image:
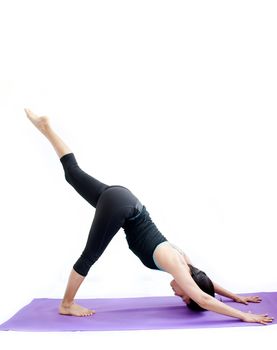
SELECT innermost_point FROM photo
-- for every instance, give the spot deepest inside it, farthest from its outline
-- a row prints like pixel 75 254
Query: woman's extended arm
pixel 224 292
pixel 239 299
pixel 186 282
pixel 182 276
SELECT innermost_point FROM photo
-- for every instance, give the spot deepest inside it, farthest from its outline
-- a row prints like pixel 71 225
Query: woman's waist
pixel 142 235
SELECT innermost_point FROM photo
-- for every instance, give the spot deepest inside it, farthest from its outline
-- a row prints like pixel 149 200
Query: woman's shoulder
pixel 188 261
pixel 177 248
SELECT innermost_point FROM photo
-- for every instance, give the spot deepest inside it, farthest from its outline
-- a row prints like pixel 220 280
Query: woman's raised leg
pixel 86 185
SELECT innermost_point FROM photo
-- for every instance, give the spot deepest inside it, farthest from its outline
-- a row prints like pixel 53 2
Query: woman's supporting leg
pixel 113 208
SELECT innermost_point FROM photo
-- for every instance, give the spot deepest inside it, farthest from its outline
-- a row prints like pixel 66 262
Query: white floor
pixel 216 338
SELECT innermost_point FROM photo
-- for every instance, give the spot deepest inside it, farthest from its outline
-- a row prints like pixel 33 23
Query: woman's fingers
pixel 265 319
pixel 253 299
pixel 246 299
pixel 258 318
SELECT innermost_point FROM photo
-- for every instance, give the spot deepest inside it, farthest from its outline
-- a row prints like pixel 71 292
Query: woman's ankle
pixel 67 303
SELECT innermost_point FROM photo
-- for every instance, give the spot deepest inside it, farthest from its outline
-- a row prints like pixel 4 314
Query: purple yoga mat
pixel 164 312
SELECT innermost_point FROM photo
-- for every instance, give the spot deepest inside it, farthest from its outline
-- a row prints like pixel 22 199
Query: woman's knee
pixel 84 263
pixel 68 173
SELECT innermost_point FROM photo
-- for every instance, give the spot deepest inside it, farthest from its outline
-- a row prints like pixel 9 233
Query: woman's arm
pixel 224 292
pixel 182 276
pixel 237 298
pixel 186 282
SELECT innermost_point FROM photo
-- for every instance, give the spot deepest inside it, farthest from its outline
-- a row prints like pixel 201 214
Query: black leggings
pixel 114 204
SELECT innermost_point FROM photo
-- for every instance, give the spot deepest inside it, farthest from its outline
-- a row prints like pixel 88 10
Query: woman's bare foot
pixel 42 123
pixel 75 310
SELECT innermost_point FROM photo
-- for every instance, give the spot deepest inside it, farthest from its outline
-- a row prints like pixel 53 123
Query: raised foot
pixel 75 310
pixel 42 123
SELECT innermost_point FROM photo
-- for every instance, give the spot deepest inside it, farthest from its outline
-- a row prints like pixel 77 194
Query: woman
pixel 117 207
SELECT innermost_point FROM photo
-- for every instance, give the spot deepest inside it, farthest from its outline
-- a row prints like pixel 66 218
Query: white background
pixel 175 100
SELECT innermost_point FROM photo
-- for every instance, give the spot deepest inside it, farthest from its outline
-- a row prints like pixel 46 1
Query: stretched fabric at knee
pixel 68 161
pixel 83 265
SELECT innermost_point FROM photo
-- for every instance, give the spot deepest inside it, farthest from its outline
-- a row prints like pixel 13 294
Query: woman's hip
pixel 119 199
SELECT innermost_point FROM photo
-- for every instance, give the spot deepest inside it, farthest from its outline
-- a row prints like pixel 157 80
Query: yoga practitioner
pixel 116 207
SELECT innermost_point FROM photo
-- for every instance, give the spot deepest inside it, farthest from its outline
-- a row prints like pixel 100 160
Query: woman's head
pixel 203 282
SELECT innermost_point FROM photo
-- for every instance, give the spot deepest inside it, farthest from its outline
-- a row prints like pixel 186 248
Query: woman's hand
pixel 263 319
pixel 246 299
